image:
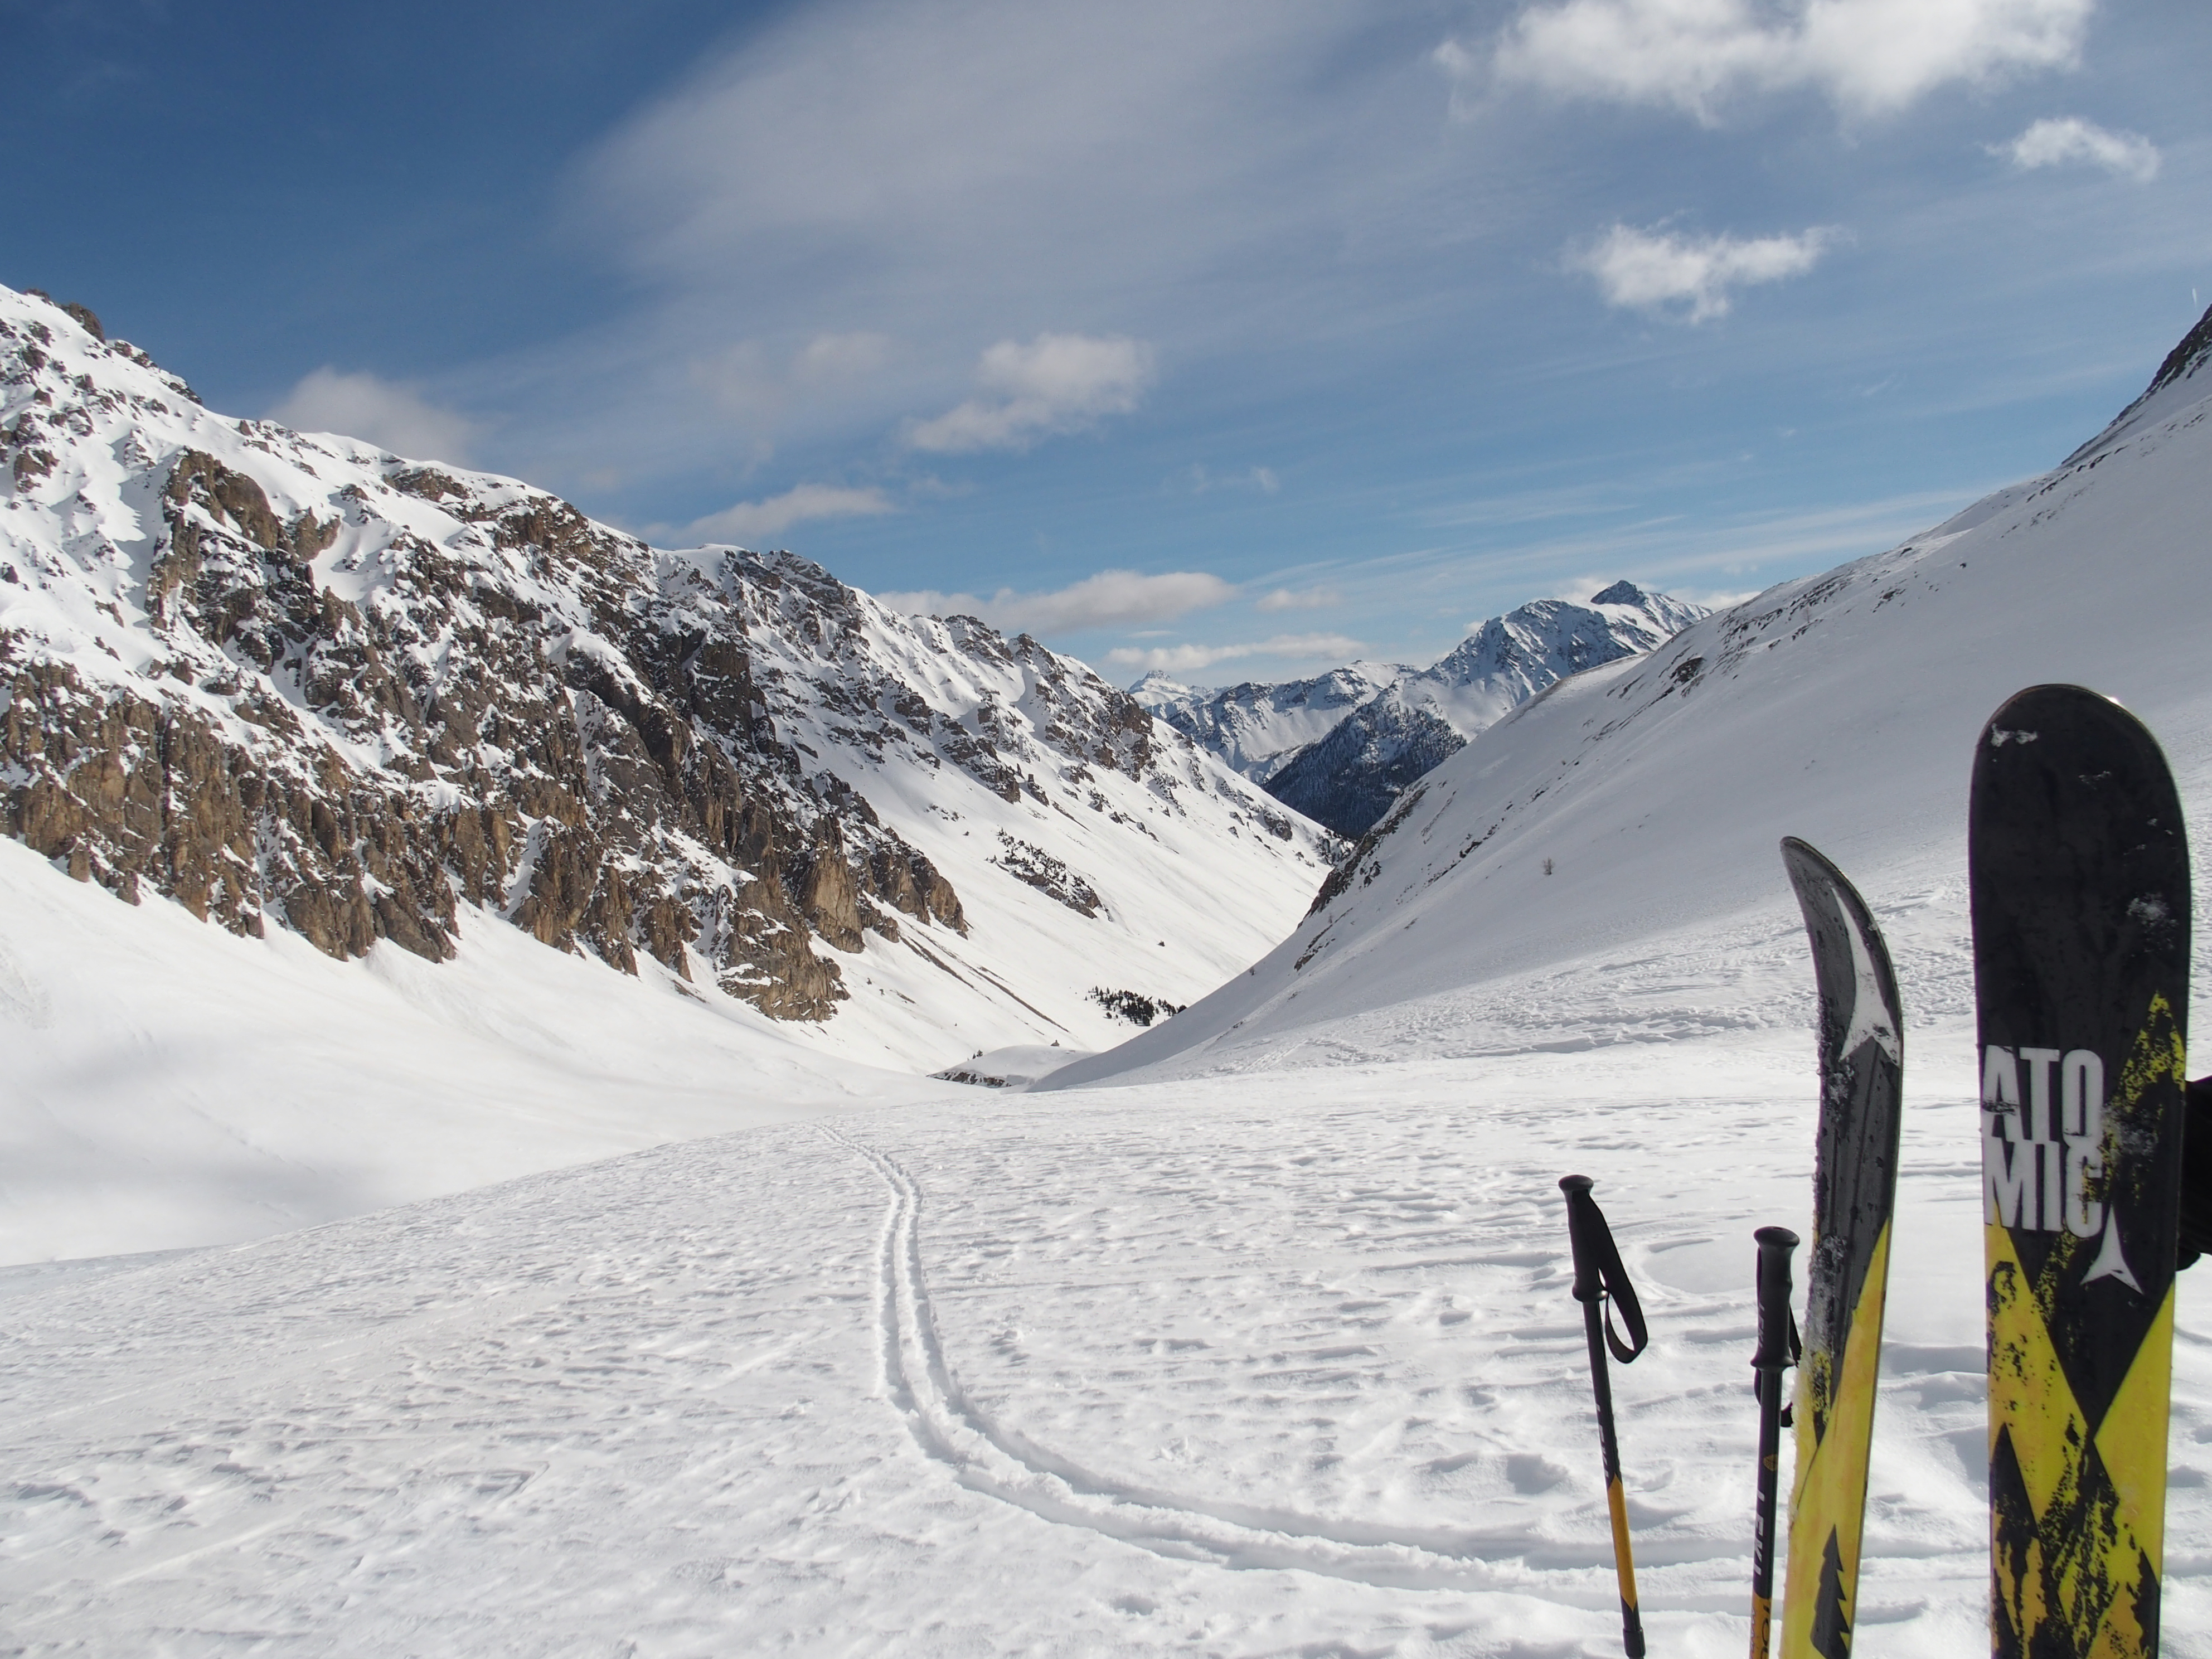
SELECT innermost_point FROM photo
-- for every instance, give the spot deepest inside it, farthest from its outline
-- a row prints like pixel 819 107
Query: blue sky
pixel 1237 339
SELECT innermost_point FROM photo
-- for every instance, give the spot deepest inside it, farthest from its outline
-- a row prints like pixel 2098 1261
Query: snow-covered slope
pixel 1257 729
pixel 293 681
pixel 168 1084
pixel 1582 842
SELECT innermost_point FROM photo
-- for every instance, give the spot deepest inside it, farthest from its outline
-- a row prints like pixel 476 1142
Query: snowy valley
pixel 1250 1335
pixel 337 702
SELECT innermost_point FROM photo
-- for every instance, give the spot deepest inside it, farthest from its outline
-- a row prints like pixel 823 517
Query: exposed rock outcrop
pixel 298 680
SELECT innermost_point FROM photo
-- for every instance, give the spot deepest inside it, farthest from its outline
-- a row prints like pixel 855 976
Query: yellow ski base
pixel 2077 1545
pixel 1827 1503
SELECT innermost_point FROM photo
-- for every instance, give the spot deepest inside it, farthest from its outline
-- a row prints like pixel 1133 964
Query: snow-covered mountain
pixel 1579 841
pixel 1258 728
pixel 1341 747
pixel 1509 659
pixel 1261 1343
pixel 292 680
pixel 1349 778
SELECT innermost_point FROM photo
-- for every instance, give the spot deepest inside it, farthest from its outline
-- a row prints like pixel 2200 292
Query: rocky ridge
pixel 1259 728
pixel 295 680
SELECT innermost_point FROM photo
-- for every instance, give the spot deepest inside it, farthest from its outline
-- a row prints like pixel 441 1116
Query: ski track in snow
pixel 989 1458
pixel 1281 1363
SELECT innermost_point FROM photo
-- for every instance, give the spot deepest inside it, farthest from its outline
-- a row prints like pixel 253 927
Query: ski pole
pixel 1600 1278
pixel 1777 1352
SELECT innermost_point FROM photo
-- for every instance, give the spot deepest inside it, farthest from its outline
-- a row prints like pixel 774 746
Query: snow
pixel 1842 708
pixel 169 1084
pixel 1229 1369
pixel 1252 1336
pixel 1507 659
pixel 1013 1067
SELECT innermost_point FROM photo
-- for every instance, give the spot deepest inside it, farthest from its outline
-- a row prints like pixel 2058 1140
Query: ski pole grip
pixel 1598 1275
pixel 1589 1279
pixel 1775 1245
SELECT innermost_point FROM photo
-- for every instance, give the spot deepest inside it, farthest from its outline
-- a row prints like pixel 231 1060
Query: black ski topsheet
pixel 2080 884
pixel 1861 1053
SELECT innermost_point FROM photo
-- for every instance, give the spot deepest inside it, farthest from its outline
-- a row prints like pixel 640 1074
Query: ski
pixel 1861 1053
pixel 2079 878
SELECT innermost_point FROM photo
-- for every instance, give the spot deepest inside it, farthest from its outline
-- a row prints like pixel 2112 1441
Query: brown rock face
pixel 296 680
pixel 122 790
pixel 353 768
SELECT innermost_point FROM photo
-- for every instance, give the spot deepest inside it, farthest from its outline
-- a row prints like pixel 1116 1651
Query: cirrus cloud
pixel 391 414
pixel 1656 270
pixel 745 522
pixel 1868 57
pixel 1056 383
pixel 2056 141
pixel 1111 599
pixel 1307 598
pixel 757 389
pixel 1185 659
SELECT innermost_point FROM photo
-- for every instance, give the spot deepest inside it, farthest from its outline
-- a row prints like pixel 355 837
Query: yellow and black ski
pixel 1862 1048
pixel 2079 873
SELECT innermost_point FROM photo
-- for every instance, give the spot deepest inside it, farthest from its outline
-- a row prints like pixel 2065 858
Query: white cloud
pixel 1868 57
pixel 1187 658
pixel 1056 383
pixel 387 413
pixel 1176 172
pixel 1656 269
pixel 1110 598
pixel 756 389
pixel 1308 598
pixel 1717 598
pixel 749 522
pixel 829 359
pixel 2053 143
pixel 1201 480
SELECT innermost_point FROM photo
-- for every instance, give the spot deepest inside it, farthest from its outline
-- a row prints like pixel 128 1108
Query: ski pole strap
pixel 1599 1276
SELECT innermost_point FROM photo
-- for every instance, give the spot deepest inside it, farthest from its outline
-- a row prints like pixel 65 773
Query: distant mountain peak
pixel 1341 746
pixel 2186 358
pixel 1159 683
pixel 2175 387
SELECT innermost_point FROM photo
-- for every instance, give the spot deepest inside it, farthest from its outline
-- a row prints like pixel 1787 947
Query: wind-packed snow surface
pixel 1278 1364
pixel 1250 1337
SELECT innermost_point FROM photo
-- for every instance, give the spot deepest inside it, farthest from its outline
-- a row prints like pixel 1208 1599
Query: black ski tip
pixel 1820 886
pixel 2064 767
pixel 1813 870
pixel 2025 715
pixel 2057 696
